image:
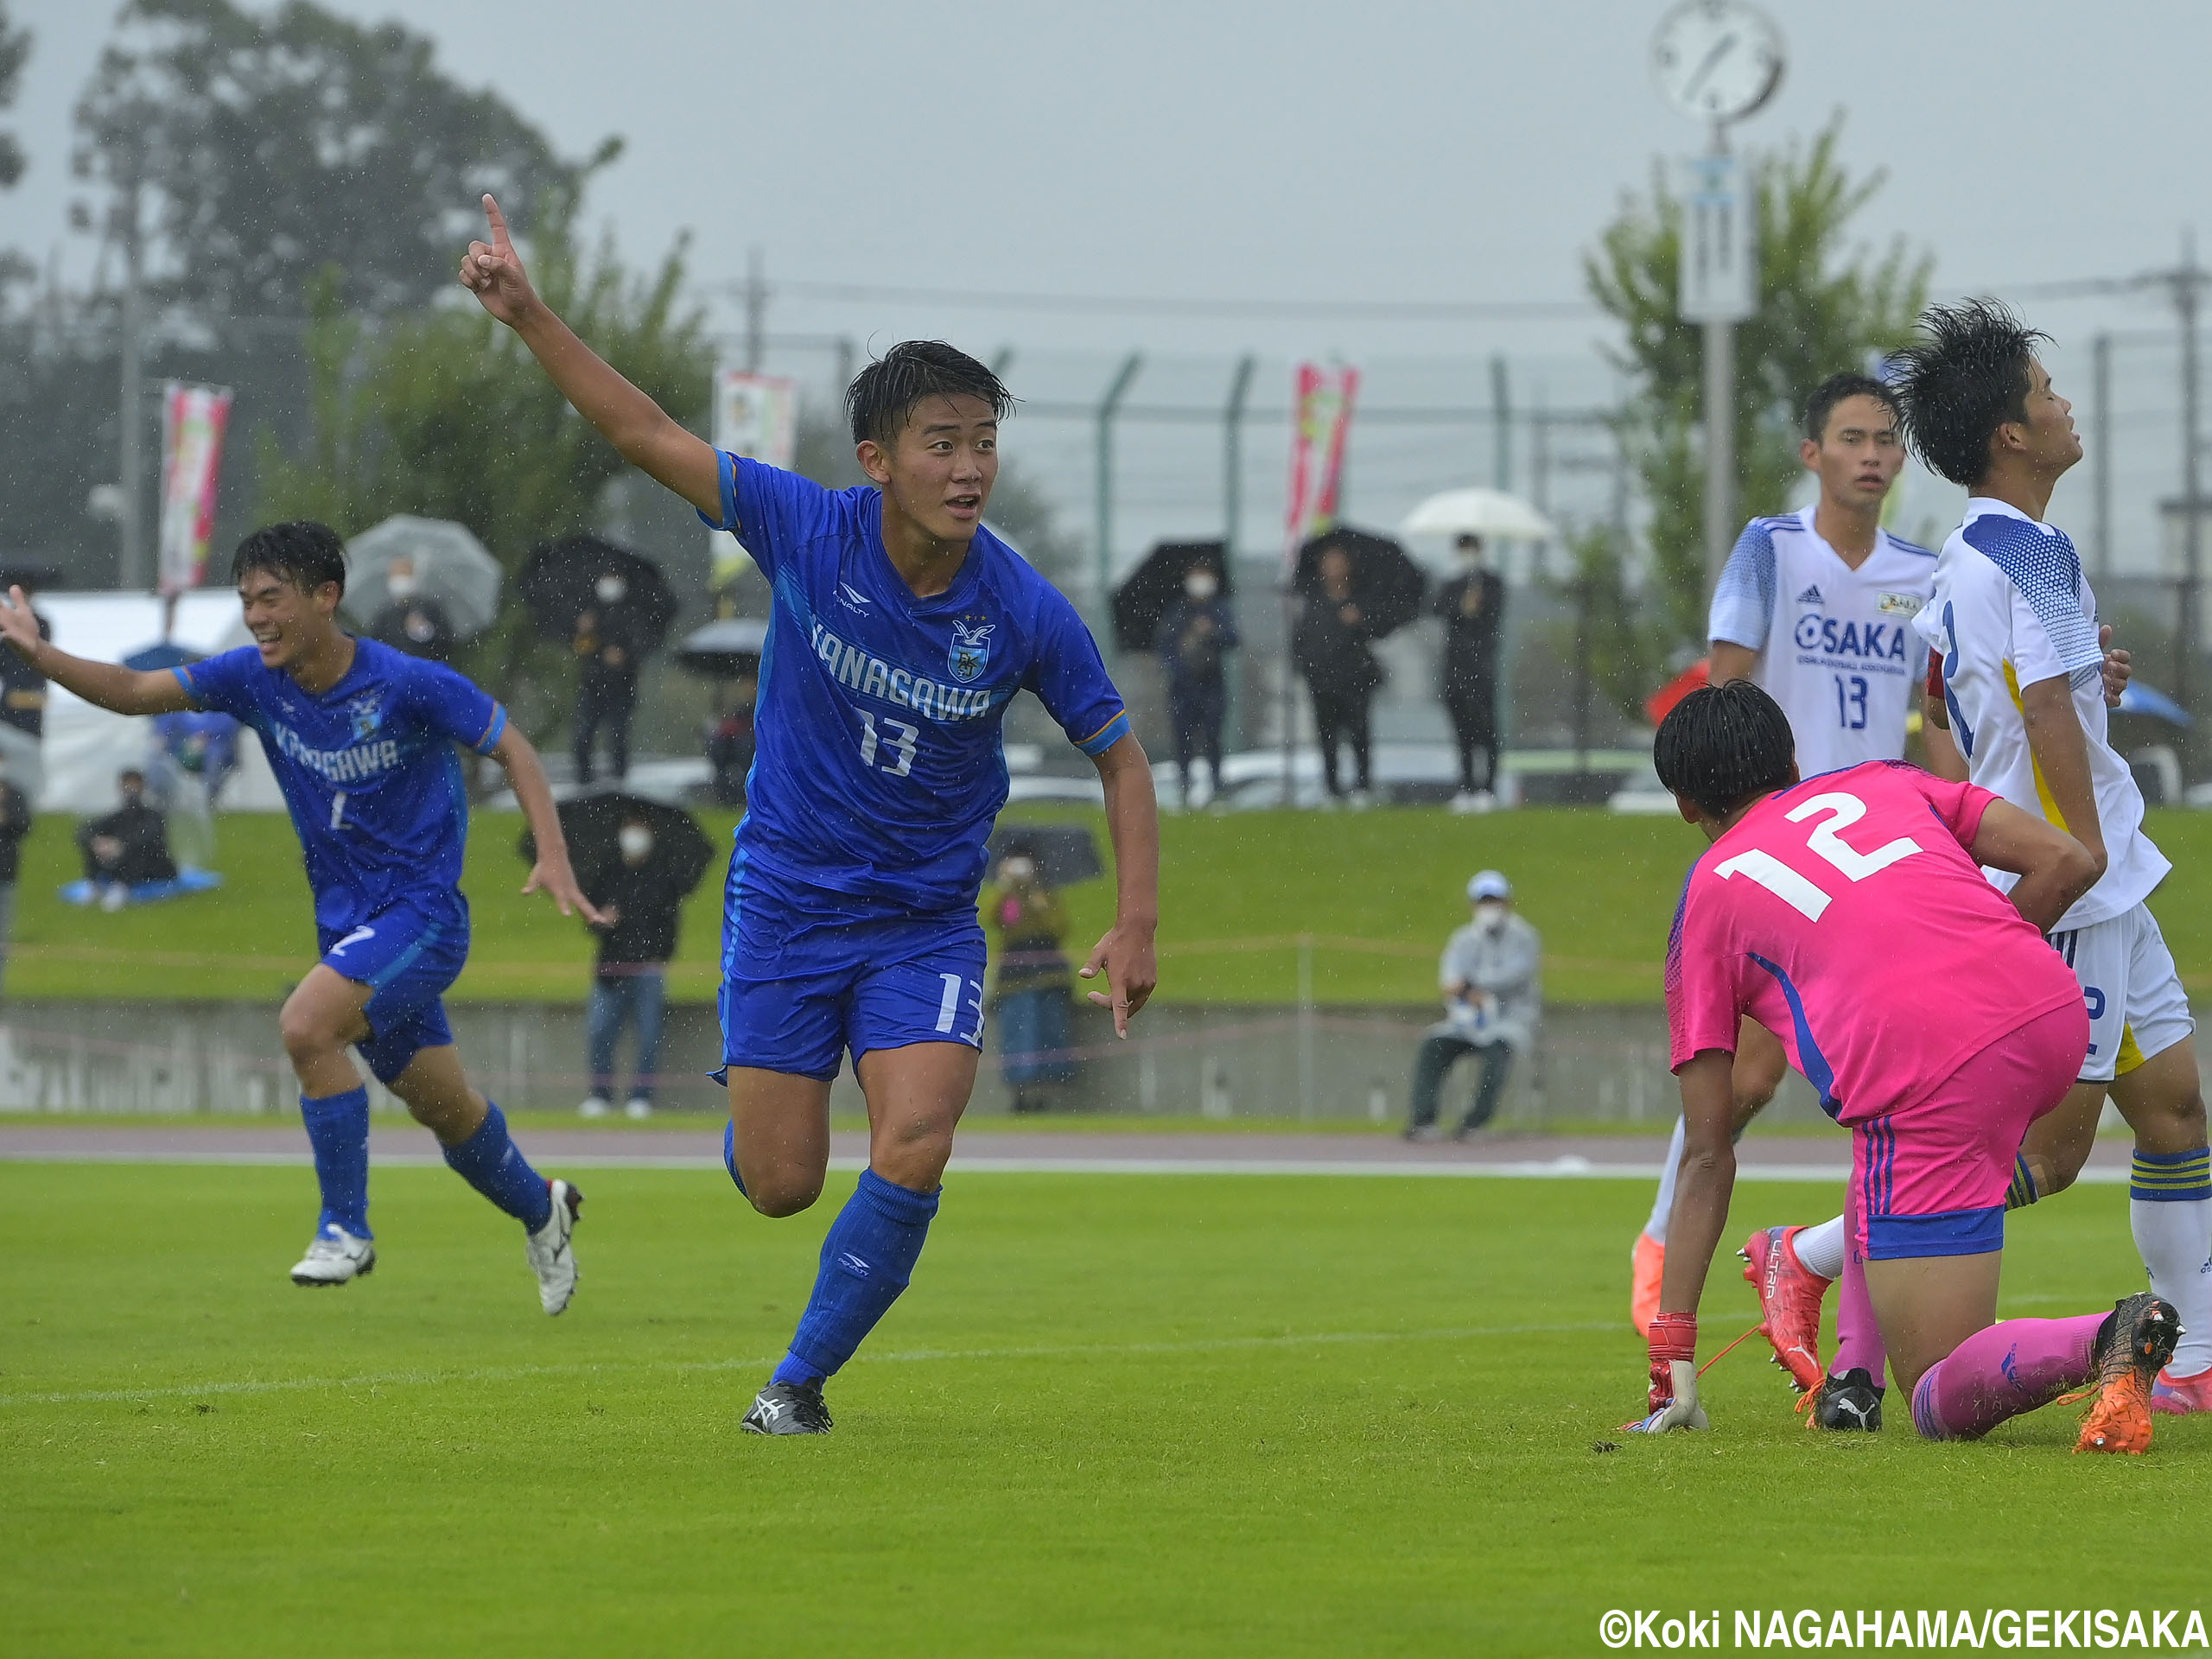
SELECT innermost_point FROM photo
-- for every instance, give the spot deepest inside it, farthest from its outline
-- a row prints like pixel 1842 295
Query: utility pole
pixel 1232 507
pixel 130 475
pixel 1501 425
pixel 2101 398
pixel 756 312
pixel 2185 282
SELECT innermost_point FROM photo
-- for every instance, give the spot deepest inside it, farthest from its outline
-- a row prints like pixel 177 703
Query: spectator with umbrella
pixel 1356 588
pixel 423 586
pixel 728 651
pixel 1472 605
pixel 636 861
pixel 1192 639
pixel 613 607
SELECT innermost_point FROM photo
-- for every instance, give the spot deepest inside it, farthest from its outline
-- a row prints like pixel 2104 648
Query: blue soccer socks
pixel 866 1261
pixel 490 1162
pixel 338 1129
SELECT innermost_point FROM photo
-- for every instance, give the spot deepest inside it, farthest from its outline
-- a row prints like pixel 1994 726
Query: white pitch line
pixel 1569 1167
pixel 917 1355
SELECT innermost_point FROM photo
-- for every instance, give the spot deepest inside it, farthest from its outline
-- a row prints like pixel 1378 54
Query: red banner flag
pixel 194 419
pixel 1321 419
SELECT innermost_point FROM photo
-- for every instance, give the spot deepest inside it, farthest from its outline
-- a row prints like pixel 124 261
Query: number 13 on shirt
pixel 1826 841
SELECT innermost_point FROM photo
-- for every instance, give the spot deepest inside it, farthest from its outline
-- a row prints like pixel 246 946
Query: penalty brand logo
pixel 853 1264
pixel 971 650
pixel 853 599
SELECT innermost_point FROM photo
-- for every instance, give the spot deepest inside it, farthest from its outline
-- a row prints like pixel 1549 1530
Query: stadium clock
pixel 1717 59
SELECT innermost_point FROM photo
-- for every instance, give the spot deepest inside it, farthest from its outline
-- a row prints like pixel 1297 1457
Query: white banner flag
pixel 756 416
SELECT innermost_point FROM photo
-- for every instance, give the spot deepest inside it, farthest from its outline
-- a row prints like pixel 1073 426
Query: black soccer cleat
pixel 1852 1401
pixel 787 1408
pixel 2135 1343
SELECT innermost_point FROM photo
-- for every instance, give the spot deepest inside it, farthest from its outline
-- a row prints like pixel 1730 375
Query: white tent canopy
pixel 85 746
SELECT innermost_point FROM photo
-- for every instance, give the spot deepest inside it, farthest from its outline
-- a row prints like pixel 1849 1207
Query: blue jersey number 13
pixel 898 733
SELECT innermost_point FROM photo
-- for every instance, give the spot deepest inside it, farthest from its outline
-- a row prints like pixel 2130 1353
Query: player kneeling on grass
pixel 361 739
pixel 901 628
pixel 1849 916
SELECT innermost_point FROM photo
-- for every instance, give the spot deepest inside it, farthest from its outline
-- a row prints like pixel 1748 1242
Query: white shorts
pixel 2137 1007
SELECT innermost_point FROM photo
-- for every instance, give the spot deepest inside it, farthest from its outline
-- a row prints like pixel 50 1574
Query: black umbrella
pixel 1065 853
pixel 561 579
pixel 724 650
pixel 592 825
pixel 1386 584
pixel 1156 584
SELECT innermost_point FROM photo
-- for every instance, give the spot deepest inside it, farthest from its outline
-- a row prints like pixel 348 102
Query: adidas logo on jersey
pixel 1811 596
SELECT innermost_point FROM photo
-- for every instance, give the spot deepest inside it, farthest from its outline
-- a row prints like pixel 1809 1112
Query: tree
pixel 275 147
pixel 1824 306
pixel 15 48
pixel 444 412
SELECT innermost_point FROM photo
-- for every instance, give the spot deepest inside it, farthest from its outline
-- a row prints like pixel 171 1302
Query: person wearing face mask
pixel 606 677
pixel 1329 645
pixel 1193 635
pixel 413 621
pixel 1492 994
pixel 128 847
pixel 1472 605
pixel 641 908
pixel 1035 981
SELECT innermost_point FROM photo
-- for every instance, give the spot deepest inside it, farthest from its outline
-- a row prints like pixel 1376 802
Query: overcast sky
pixel 1223 151
pixel 1237 151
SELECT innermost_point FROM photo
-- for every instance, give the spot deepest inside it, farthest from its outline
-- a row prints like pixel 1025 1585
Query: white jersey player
pixel 1817 607
pixel 2024 684
pixel 1833 634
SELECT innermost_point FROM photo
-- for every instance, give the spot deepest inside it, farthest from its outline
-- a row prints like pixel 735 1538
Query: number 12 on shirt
pixel 1807 898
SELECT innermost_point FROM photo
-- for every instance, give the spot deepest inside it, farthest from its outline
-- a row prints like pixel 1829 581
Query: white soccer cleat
pixel 335 1257
pixel 639 1109
pixel 595 1106
pixel 550 1252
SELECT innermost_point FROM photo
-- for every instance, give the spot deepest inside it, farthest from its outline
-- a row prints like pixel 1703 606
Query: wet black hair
pixel 304 553
pixel 1965 376
pixel 1723 745
pixel 1833 390
pixel 884 393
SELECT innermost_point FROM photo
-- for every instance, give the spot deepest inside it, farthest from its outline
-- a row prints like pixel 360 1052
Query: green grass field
pixel 1376 892
pixel 1114 1415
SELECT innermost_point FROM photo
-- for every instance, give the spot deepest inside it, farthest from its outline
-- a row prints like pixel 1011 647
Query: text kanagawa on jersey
pixel 871 676
pixel 339 766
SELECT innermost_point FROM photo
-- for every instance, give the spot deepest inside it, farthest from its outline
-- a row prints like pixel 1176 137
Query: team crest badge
pixel 368 715
pixel 971 650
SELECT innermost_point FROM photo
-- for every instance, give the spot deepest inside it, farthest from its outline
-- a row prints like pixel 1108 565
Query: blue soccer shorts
pixel 808 974
pixel 407 954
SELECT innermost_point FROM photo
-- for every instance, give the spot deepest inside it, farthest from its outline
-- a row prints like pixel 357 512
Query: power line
pixel 1159 305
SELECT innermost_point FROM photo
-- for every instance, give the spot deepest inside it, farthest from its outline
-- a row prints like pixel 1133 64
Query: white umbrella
pixel 450 566
pixel 1492 514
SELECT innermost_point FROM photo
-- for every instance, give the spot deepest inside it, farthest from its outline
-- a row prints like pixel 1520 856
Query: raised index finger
pixel 498 223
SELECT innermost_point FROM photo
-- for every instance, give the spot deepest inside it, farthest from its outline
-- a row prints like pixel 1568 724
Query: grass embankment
pixel 1114 1415
pixel 1376 891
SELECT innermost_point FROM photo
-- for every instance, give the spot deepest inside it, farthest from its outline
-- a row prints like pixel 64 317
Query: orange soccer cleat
pixel 2144 1330
pixel 1650 1259
pixel 1789 1302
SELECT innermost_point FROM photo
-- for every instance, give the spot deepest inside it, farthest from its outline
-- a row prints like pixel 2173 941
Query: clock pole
pixel 1719 428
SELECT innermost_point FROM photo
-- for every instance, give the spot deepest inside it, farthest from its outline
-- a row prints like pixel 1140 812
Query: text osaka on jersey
pixel 339 766
pixel 871 676
pixel 1827 635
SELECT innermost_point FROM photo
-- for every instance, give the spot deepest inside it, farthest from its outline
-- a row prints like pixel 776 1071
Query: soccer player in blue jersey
pixel 900 630
pixel 361 739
